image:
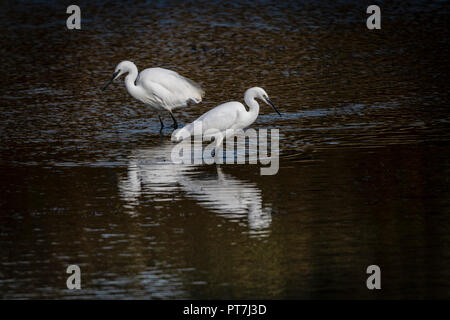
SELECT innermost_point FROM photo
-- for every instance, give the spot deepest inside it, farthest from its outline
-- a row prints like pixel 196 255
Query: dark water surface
pixel 364 165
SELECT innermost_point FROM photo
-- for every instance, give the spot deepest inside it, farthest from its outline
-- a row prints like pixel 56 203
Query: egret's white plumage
pixel 230 115
pixel 158 88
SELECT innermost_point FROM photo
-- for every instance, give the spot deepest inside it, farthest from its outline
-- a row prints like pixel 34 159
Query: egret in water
pixel 159 88
pixel 229 115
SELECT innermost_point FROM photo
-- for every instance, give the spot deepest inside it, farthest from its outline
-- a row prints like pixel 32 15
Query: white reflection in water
pixel 151 173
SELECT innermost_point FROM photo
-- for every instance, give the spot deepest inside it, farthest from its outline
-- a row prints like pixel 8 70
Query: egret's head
pixel 121 68
pixel 260 93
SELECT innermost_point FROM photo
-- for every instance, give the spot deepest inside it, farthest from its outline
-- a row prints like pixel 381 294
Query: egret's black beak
pixel 112 79
pixel 273 106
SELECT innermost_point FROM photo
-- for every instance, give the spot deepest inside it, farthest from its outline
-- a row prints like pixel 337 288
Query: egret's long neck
pixel 130 81
pixel 253 106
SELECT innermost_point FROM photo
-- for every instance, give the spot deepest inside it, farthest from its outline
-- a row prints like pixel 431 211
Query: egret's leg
pixel 162 124
pixel 216 149
pixel 175 123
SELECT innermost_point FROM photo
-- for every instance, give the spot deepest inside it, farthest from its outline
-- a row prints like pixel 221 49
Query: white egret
pixel 229 115
pixel 159 88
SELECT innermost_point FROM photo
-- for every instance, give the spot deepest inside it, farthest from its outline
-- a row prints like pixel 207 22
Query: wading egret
pixel 159 88
pixel 229 115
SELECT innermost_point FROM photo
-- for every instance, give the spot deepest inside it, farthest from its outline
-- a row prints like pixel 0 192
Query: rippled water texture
pixel 86 178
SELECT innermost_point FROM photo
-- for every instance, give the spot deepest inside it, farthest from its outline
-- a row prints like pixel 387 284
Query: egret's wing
pixel 157 95
pixel 172 89
pixel 221 118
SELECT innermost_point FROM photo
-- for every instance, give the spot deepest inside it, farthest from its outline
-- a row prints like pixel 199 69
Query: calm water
pixel 364 165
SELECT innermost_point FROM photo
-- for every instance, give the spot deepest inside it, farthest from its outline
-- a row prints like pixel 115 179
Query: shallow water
pixel 364 169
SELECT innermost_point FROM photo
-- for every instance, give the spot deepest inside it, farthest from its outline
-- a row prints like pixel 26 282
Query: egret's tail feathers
pixel 194 100
pixel 197 93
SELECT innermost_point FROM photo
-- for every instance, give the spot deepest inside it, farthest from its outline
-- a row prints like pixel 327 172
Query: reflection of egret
pixel 151 173
pixel 159 88
pixel 230 115
pixel 231 198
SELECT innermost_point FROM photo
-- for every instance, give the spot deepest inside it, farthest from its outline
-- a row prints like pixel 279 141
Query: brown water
pixel 364 170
